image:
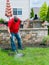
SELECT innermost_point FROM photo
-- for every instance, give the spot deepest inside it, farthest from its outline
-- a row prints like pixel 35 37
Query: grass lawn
pixel 33 56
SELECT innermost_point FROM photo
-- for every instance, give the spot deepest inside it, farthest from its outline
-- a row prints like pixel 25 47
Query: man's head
pixel 15 19
pixel 35 15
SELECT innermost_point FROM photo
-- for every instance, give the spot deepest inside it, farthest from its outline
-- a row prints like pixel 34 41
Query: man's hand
pixel 10 35
pixel 9 32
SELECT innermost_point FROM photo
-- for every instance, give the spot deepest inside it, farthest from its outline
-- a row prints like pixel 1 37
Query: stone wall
pixel 29 35
pixel 32 23
pixel 32 35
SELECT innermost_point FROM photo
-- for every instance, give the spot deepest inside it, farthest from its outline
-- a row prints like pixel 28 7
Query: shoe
pixel 11 53
pixel 20 48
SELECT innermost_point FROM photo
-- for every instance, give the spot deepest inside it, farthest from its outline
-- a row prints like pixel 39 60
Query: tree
pixel 47 17
pixel 43 11
pixel 31 13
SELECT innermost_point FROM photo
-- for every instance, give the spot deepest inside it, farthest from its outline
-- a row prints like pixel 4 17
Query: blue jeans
pixel 18 37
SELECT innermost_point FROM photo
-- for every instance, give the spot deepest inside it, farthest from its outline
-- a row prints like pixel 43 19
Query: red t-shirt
pixel 14 26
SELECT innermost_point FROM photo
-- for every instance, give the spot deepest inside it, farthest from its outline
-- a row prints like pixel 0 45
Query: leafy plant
pixel 1 20
pixel 45 39
pixel 47 17
pixel 43 11
pixel 31 13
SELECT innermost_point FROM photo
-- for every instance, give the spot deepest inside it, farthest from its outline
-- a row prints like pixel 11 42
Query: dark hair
pixel 15 19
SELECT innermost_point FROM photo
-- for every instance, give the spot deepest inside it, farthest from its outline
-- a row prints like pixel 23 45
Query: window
pixel 14 11
pixel 17 11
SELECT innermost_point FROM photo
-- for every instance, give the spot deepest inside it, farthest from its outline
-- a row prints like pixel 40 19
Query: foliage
pixel 1 20
pixel 43 11
pixel 45 39
pixel 31 13
pixel 48 30
pixel 47 17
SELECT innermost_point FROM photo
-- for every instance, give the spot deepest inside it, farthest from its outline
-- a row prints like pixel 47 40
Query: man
pixel 35 17
pixel 13 29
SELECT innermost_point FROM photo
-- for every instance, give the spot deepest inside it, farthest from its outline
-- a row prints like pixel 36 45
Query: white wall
pixel 24 4
pixel 2 8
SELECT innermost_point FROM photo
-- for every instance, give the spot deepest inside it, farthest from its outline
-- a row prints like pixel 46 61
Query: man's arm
pixel 20 21
pixel 9 26
pixel 9 32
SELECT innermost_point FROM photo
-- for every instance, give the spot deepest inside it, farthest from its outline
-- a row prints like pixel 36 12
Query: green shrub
pixel 47 17
pixel 31 13
pixel 1 20
pixel 45 39
pixel 43 11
